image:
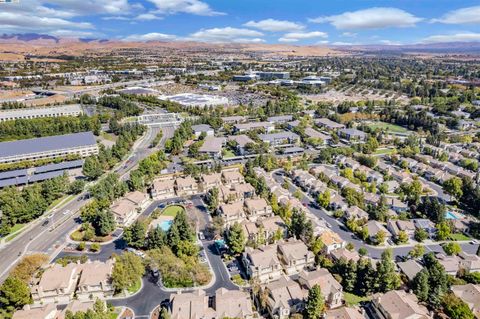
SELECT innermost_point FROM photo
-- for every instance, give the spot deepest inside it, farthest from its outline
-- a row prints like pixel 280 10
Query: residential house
pixel 141 200
pixel 470 294
pixel 56 285
pixel 332 241
pixel 280 119
pixel 450 263
pixel 242 140
pixel 396 226
pixel 392 186
pixel 250 230
pixel 469 262
pixel 233 119
pixel 410 268
pixel 396 205
pixel 232 213
pixel 124 212
pixel 345 254
pixel 374 227
pixel 232 304
pixel 186 186
pixel 96 280
pixel 352 134
pixel 337 202
pixel 163 189
pixel 262 263
pixel 265 126
pixel 244 190
pixel 312 133
pixel 48 311
pixel 331 289
pixel 202 129
pixel 212 146
pixel 258 208
pixel 398 304
pixel 190 305
pixel 343 313
pixel 295 256
pixel 210 181
pixel 232 177
pixel 355 212
pixel 281 138
pixel 285 297
pixel 426 225
pixel 271 226
pixel 328 124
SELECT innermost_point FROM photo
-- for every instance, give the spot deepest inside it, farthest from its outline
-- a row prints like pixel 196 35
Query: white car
pixel 66 212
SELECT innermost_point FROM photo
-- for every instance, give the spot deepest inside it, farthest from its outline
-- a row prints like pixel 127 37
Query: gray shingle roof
pixel 45 144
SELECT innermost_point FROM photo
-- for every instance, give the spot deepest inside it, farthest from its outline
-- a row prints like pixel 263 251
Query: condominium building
pixel 82 144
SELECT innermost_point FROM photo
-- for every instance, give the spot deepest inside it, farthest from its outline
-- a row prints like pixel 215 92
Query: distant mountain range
pixel 44 40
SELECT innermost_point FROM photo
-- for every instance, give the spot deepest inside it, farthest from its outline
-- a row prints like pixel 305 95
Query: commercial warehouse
pixel 64 110
pixel 82 144
pixel 196 100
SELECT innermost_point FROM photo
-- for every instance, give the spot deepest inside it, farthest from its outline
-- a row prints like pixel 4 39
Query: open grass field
pixel 172 210
pixel 391 128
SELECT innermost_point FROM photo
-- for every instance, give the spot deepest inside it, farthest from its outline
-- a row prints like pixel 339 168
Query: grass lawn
pixel 352 300
pixel 136 287
pixel 459 236
pixel 384 151
pixel 392 128
pixel 228 153
pixel 172 210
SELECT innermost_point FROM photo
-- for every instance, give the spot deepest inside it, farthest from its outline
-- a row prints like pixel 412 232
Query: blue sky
pixel 250 21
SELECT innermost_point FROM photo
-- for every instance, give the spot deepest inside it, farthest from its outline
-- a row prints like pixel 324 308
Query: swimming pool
pixel 450 215
pixel 165 225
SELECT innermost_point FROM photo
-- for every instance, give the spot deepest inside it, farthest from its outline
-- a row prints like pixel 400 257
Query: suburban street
pixel 345 234
pixel 47 234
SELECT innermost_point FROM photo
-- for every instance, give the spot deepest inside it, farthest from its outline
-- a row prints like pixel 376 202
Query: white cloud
pixel 75 34
pixel 226 35
pixel 196 7
pixel 275 25
pixel 349 34
pixel 28 22
pixel 390 42
pixel 470 15
pixel 148 17
pixel 154 36
pixel 296 36
pixel 458 37
pixel 87 7
pixel 372 18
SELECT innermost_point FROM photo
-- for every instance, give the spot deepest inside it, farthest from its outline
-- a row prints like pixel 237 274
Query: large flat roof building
pixel 82 144
pixel 57 111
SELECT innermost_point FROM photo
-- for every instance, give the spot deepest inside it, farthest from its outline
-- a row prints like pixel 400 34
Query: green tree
pixel 380 237
pixel 452 248
pixel 212 199
pixel 453 186
pixel 315 304
pixel 301 227
pixel 127 271
pixel 164 314
pixel 420 234
pixel 402 237
pixel 236 239
pixel 104 223
pixel 388 278
pixel 421 285
pixel 324 199
pixel 134 235
pixel 14 294
pixel 456 308
pixel 157 238
pixel 417 251
pixel 443 230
